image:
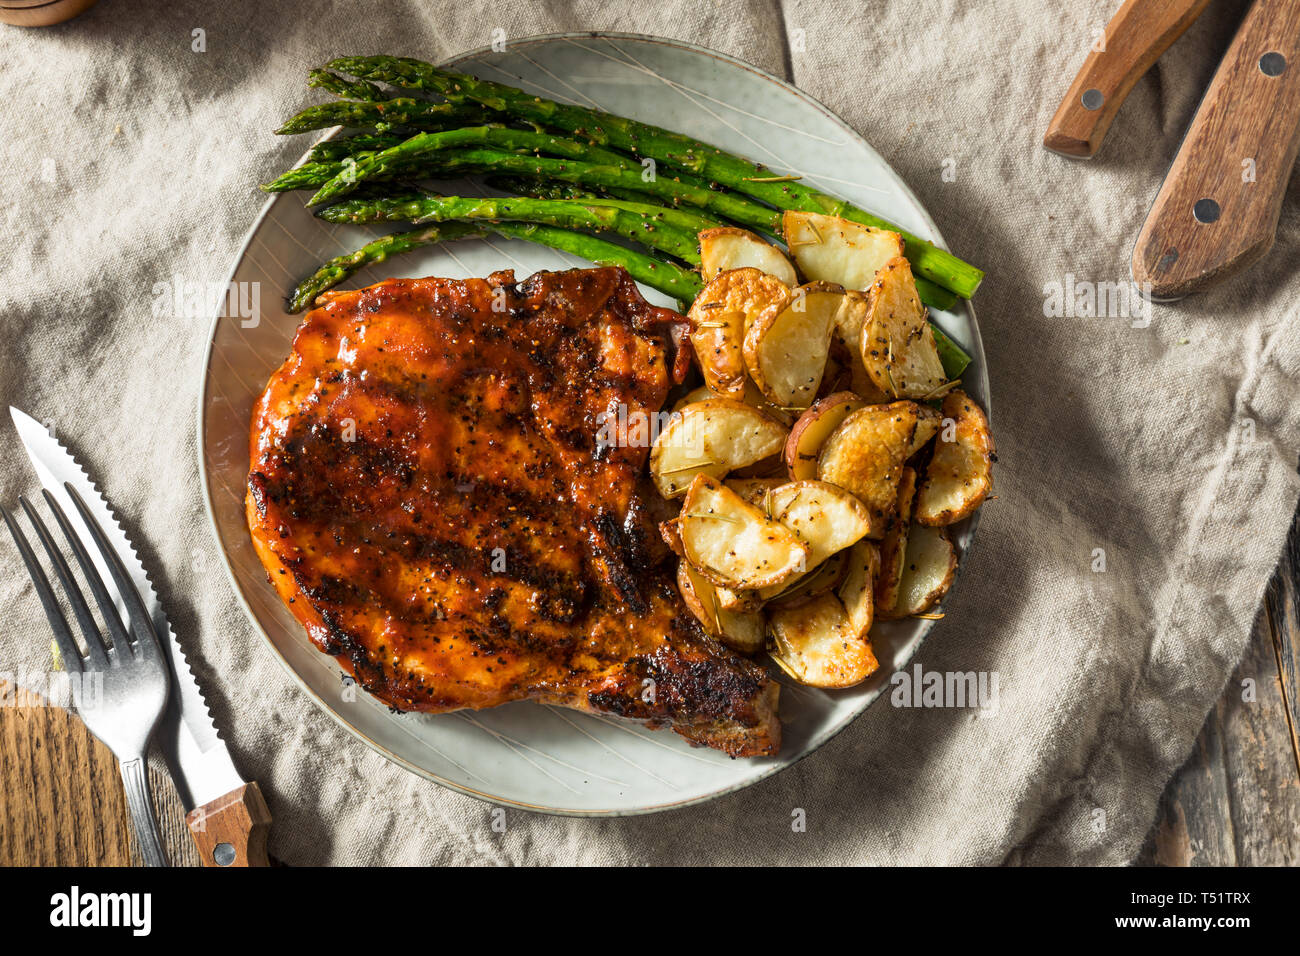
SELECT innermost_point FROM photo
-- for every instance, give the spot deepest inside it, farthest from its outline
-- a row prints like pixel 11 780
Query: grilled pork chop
pixel 430 494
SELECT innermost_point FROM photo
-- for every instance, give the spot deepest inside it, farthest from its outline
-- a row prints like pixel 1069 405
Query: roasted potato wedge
pixel 837 250
pixel 811 430
pixel 730 248
pixel 787 345
pixel 738 601
pixel 700 394
pixel 850 320
pixel 928 570
pixel 751 396
pixel 671 532
pixel 960 474
pixel 865 455
pixel 754 490
pixel 928 421
pixel 803 588
pixel 711 437
pixel 742 631
pixel 727 599
pixel 815 644
pixel 893 548
pixel 721 313
pixel 856 590
pixel 897 342
pixel 827 517
pixel 718 341
pixel 733 543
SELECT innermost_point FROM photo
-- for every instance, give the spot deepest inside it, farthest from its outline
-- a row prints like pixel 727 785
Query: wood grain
pixel 238 823
pixel 1238 153
pixel 1237 799
pixel 1139 32
pixel 61 799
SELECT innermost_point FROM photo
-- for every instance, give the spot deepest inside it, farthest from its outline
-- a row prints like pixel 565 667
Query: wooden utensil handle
pixel 232 830
pixel 1217 211
pixel 1134 39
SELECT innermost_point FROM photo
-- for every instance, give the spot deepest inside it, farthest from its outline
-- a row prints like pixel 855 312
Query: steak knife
pixel 227 816
pixel 1218 209
pixel 1133 40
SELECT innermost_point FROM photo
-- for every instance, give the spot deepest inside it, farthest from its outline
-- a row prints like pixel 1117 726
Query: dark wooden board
pixel 1237 799
pixel 61 798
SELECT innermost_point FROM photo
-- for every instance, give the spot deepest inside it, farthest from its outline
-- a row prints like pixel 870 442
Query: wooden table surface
pixel 1235 801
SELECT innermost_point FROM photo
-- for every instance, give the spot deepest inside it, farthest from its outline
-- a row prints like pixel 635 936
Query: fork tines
pixel 99 654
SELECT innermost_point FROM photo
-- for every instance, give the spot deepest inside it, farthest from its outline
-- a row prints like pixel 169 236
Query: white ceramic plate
pixel 526 754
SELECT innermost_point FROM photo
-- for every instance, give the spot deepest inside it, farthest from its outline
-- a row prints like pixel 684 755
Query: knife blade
pixel 199 761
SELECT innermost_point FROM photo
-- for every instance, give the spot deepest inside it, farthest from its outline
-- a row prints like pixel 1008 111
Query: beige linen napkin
pixel 1163 449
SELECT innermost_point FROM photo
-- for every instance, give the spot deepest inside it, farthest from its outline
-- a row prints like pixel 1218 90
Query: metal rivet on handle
pixel 1092 99
pixel 224 854
pixel 1206 210
pixel 1272 63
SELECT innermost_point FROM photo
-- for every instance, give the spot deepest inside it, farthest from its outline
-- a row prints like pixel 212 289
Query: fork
pixel 134 675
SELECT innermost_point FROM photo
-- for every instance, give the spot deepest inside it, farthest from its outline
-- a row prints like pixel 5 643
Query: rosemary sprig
pixel 699 514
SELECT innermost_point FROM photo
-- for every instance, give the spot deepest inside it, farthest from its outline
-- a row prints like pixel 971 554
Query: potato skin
pixel 960 474
pixel 812 428
pixel 728 247
pixel 865 455
pixel 719 317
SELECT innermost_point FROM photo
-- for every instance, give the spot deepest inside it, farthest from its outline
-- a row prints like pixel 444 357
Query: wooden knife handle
pixel 1134 39
pixel 232 830
pixel 1217 211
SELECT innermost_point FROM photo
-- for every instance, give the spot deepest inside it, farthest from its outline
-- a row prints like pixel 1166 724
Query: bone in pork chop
pixel 429 495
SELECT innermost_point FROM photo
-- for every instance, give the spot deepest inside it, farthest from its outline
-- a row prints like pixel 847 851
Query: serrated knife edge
pixel 198 757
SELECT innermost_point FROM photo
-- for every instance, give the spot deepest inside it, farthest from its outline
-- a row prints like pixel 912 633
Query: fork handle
pixel 232 830
pixel 135 779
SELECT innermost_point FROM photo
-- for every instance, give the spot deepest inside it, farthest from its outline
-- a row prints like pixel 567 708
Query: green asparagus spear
pixel 419 114
pixel 669 279
pixel 589 175
pixel 334 150
pixel 932 294
pixel 935 295
pixel 348 89
pixel 432 143
pixel 340 267
pixel 320 172
pixel 306 176
pixel 662 145
pixel 312 175
pixel 541 188
pixel 951 355
pixel 643 224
